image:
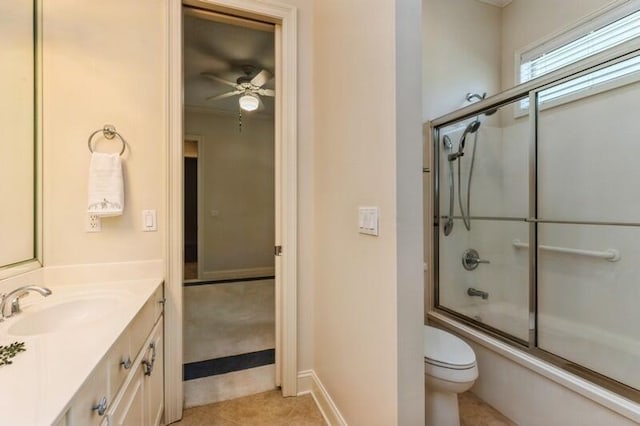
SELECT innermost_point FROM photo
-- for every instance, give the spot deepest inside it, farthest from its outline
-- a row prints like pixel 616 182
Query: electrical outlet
pixel 93 223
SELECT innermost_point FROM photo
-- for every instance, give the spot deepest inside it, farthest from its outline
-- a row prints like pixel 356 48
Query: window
pixel 609 29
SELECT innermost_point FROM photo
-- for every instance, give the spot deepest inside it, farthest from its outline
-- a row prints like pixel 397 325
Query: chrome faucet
pixel 478 293
pixel 13 299
pixel 471 259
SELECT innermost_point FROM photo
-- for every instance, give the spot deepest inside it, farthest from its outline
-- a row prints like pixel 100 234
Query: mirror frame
pixel 36 262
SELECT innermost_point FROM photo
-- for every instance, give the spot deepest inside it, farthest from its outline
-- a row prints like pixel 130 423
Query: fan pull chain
pixel 240 121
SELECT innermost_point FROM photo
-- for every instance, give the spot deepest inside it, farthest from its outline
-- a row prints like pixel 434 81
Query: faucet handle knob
pixel 15 303
pixel 471 259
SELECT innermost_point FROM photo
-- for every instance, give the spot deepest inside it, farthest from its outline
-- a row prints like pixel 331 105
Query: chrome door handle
pixel 147 365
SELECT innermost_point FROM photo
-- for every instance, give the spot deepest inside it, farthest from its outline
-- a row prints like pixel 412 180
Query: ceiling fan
pixel 248 86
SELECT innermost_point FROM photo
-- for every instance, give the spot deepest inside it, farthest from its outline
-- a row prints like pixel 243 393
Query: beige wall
pixel 409 223
pixel 358 288
pixel 108 64
pixel 461 53
pixel 238 185
pixel 103 63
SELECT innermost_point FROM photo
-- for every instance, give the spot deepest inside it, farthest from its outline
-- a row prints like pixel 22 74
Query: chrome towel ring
pixel 109 132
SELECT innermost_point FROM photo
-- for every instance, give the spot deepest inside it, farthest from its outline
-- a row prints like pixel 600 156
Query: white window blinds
pixel 612 28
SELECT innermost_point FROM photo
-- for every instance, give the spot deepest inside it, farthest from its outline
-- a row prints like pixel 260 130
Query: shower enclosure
pixel 536 215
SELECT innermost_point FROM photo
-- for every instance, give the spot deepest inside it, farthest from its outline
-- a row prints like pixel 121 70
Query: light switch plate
pixel 149 221
pixel 368 220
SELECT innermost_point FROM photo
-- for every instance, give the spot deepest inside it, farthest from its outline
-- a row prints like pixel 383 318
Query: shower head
pixel 446 141
pixel 471 128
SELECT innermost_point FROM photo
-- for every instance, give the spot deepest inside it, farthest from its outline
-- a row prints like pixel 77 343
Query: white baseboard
pixel 308 382
pixel 228 274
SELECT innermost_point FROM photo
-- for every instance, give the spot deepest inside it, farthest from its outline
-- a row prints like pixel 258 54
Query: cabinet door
pixel 130 409
pixel 91 400
pixel 154 381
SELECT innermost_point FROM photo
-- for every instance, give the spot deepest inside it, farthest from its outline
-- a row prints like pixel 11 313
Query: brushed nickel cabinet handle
pixel 101 406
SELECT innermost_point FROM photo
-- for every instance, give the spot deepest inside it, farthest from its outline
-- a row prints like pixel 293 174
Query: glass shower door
pixel 483 203
pixel 588 231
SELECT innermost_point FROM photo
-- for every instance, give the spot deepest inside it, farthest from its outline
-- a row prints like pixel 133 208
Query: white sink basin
pixel 64 314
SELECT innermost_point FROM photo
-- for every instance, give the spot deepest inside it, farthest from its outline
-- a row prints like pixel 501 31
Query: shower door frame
pixel 530 90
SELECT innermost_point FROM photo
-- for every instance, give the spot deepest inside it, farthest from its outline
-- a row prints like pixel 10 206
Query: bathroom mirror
pixel 17 134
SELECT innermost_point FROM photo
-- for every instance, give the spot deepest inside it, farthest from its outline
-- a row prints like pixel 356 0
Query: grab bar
pixel 612 255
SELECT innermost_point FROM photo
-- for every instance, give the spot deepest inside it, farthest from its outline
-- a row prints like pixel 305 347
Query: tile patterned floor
pixel 475 412
pixel 271 409
pixel 263 409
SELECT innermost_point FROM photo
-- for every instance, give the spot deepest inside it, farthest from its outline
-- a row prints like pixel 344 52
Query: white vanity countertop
pixel 40 383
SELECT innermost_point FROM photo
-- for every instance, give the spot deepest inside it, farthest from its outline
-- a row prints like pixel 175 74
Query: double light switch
pixel 368 220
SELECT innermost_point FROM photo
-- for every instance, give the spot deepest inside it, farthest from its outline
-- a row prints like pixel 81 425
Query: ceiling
pixel 223 49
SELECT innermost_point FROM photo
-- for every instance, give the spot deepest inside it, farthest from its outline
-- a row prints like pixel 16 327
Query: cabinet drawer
pixel 119 362
pixel 141 400
pixel 145 319
pixel 92 392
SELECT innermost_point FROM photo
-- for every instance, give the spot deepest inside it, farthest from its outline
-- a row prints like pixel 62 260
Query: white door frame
pixel 285 18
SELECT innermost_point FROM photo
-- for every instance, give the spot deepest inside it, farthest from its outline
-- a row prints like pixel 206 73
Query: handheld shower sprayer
pixel 471 129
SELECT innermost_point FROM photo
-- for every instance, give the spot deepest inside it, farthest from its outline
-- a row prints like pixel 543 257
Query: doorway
pixel 284 17
pixel 192 198
pixel 229 207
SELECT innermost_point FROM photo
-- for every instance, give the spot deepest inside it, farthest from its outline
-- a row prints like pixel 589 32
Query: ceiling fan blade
pixel 266 92
pixel 261 78
pixel 224 95
pixel 218 79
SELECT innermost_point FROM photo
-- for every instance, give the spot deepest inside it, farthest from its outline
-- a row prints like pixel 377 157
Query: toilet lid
pixel 446 350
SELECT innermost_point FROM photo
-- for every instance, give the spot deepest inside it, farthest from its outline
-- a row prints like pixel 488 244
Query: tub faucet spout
pixel 477 293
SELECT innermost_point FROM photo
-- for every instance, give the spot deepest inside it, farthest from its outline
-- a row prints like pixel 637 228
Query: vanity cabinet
pixel 126 388
pixel 141 401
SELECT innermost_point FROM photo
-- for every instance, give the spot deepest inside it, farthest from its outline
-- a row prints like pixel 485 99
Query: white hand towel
pixel 106 186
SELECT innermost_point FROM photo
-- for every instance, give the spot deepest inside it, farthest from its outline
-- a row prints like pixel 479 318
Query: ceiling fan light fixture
pixel 249 102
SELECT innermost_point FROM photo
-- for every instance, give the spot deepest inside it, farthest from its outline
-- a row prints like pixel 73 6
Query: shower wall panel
pixel 499 207
pixel 588 158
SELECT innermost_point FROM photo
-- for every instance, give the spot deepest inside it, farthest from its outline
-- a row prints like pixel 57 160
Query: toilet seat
pixel 442 349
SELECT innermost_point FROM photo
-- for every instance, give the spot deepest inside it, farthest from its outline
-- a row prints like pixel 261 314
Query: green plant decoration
pixel 10 351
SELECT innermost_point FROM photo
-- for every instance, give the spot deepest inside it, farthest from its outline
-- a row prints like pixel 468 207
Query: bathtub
pixel 532 391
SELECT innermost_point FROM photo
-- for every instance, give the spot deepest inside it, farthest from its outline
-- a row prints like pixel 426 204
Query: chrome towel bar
pixel 612 255
pixel 109 132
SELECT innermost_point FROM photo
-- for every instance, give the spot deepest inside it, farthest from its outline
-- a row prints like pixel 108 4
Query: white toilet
pixel 449 368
